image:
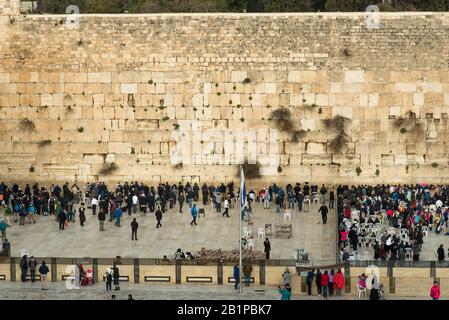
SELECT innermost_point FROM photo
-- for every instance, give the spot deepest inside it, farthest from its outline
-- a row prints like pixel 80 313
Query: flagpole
pixel 240 229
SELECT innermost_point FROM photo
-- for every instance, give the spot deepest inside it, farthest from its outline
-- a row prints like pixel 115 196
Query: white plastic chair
pixel 250 244
pixel 360 291
pixel 247 232
pixel 425 230
pixel 288 214
pixel 260 233
pixel 408 254
pixel 315 197
pixel 307 200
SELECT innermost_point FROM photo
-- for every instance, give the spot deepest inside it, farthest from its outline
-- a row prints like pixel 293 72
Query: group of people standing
pixel 326 282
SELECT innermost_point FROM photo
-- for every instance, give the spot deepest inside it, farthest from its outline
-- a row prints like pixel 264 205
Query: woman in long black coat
pixel 116 277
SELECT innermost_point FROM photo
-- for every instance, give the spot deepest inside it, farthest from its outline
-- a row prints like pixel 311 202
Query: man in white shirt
pixel 94 205
pixel 135 202
pixel 226 206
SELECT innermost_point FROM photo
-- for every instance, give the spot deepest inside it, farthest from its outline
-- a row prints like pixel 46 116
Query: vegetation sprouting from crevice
pixel 27 125
pixel 282 118
pixel 108 168
pixel 251 170
pixel 341 139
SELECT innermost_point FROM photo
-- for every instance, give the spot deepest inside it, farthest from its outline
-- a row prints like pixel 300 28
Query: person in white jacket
pixel 226 206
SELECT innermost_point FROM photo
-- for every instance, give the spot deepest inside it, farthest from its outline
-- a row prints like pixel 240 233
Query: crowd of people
pixel 396 217
pixel 69 203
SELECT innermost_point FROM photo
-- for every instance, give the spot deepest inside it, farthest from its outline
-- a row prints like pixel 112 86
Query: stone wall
pixel 115 89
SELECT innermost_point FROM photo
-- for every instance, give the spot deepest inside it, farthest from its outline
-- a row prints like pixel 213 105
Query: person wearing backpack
pixel 309 280
pixel 194 213
pixel 43 270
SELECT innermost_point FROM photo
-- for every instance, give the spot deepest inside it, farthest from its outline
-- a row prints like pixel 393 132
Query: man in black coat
pixel 82 214
pixel 101 219
pixel 158 215
pixel 23 268
pixel 62 219
pixel 134 226
pixel 324 210
pixel 267 248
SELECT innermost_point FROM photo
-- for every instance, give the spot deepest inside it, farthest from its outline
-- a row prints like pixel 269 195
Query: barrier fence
pixel 402 278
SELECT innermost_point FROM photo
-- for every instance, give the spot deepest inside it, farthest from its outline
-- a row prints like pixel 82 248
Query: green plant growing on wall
pixel 279 169
pixel 282 118
pixel 177 166
pixel 336 123
pixel 242 119
pixel 358 171
pixel 150 81
pixel 133 150
pixel 176 126
pixel 31 169
pixel 339 142
pixel 44 143
pixel 406 168
pixel 298 135
pixel 26 125
pixel 218 93
pixel 80 129
pixel 434 165
pixel 108 168
pixel 341 139
pixel 251 170
pixel 283 122
pixel 69 109
pixel 403 130
pixel 246 80
pixel 165 118
pixel 377 172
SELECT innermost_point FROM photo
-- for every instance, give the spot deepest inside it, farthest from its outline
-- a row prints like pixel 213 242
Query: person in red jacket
pixel 343 237
pixel 347 212
pixel 435 291
pixel 324 284
pixel 339 282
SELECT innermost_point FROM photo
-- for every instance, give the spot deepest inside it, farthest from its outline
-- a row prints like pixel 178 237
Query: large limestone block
pixel 238 76
pixel 128 88
pixel 315 148
pixel 405 87
pixel 354 76
pixel 294 76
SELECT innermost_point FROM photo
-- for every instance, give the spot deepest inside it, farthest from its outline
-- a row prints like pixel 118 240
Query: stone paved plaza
pixel 44 239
